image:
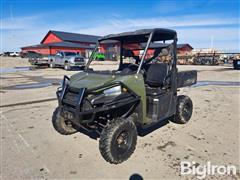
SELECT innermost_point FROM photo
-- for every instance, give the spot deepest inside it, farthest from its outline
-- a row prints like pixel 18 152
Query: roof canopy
pixel 162 45
pixel 142 35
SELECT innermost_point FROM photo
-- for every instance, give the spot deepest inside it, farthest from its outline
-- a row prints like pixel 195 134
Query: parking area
pixel 32 149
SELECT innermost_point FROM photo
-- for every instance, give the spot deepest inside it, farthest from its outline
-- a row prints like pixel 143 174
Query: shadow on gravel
pixel 93 135
pixel 218 70
pixel 225 69
pixel 37 82
pixel 31 68
pixel 147 130
pixel 141 131
pixel 218 83
pixel 13 70
pixel 36 85
pixel 72 68
pixel 135 177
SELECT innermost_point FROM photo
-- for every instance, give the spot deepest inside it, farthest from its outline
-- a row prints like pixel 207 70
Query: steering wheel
pixel 133 67
pixel 130 68
pixel 143 70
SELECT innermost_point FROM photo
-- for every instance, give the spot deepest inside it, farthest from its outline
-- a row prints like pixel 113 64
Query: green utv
pixel 99 56
pixel 134 99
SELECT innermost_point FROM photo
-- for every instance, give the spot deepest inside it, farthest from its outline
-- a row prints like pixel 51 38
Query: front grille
pixel 79 60
pixel 71 98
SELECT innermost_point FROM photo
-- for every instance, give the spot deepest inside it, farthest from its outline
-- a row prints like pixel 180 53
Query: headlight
pixel 114 91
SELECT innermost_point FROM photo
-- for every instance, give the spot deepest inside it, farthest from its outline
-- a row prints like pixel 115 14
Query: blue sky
pixel 26 22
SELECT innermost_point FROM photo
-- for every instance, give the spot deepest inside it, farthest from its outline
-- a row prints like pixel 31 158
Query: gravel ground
pixel 32 149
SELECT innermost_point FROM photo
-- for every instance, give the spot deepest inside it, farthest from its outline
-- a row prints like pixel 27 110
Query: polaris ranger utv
pixel 118 103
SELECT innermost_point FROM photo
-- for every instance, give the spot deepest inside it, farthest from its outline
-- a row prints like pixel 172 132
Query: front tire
pixel 118 140
pixel 184 110
pixel 51 64
pixel 62 125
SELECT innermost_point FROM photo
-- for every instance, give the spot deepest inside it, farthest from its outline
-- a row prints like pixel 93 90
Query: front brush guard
pixel 61 92
pixel 79 117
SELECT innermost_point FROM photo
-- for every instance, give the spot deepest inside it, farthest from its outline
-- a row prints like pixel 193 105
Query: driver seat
pixel 155 78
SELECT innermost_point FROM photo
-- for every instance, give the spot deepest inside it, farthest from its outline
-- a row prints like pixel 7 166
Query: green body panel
pixel 89 80
pixel 135 82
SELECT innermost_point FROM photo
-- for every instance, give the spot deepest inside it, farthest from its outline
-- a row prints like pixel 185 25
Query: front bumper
pixel 76 63
pixel 71 105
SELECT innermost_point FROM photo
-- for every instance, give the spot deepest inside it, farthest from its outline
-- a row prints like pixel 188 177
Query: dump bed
pixel 186 78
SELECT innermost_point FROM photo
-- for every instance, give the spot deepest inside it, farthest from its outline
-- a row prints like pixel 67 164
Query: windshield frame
pixel 145 52
pixel 91 56
pixel 121 52
pixel 150 37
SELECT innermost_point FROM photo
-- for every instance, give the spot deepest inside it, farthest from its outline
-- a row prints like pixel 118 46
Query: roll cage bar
pixel 145 34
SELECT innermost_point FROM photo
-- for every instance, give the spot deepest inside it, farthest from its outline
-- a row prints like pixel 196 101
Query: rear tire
pixel 183 110
pixel 82 67
pixel 67 67
pixel 118 140
pixel 61 125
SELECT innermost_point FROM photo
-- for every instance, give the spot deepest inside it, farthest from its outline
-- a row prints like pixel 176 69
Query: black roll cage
pixel 150 35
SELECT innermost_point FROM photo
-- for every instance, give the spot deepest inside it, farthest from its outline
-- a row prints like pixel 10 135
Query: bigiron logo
pixel 201 171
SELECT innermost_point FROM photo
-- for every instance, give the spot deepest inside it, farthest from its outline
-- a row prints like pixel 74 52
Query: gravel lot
pixel 32 149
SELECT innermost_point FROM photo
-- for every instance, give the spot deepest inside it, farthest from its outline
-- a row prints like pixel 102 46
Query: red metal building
pixel 63 41
pixel 181 48
pixel 84 44
pixel 184 48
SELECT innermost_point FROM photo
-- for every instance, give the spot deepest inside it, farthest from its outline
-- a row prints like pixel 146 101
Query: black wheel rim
pixel 122 143
pixel 67 124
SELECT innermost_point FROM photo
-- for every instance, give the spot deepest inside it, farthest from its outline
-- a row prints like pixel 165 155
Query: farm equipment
pixel 37 59
pixel 236 62
pixel 209 58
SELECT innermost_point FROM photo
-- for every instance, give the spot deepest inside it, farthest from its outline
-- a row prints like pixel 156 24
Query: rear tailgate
pixel 186 78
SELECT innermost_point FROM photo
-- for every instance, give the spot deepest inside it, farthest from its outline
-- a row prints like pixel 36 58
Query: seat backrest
pixel 156 74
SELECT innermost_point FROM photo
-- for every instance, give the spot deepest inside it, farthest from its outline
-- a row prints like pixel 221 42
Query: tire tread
pixel 56 121
pixel 106 138
pixel 179 118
